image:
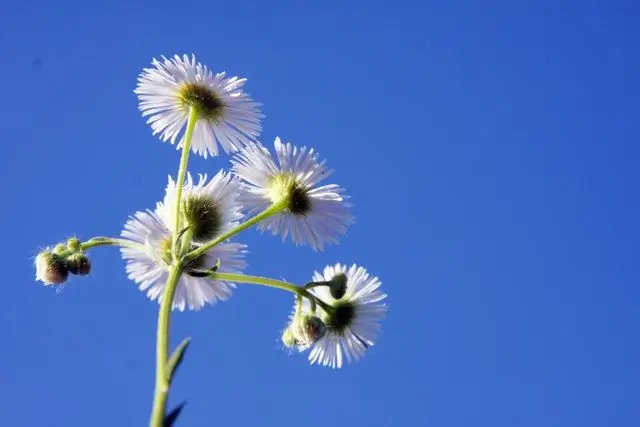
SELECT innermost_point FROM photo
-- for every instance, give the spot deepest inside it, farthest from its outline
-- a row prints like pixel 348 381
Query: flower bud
pixel 60 247
pixel 74 244
pixel 338 285
pixel 78 264
pixel 309 329
pixel 50 268
pixel 288 338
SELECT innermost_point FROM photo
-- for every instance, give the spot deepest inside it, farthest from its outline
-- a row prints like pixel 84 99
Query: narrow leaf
pixel 172 416
pixel 181 233
pixel 176 358
pixel 199 272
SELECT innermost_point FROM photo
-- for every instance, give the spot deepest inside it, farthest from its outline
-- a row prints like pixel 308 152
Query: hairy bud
pixel 288 338
pixel 74 244
pixel 78 264
pixel 309 329
pixel 50 268
pixel 338 285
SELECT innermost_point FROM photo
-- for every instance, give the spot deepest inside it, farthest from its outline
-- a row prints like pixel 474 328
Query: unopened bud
pixel 288 338
pixel 79 264
pixel 60 247
pixel 74 244
pixel 309 329
pixel 338 285
pixel 50 269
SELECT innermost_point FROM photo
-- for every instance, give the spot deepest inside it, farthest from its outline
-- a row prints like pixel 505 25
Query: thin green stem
pixel 312 285
pixel 263 281
pixel 182 170
pixel 111 241
pixel 186 241
pixel 313 306
pixel 164 316
pixel 272 283
pixel 269 212
pixel 326 307
pixel 162 347
pixel 298 304
pixel 105 241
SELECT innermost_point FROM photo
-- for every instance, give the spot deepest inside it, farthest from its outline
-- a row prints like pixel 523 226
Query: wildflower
pixel 353 321
pixel 209 209
pixel 226 115
pixel 314 215
pixel 149 268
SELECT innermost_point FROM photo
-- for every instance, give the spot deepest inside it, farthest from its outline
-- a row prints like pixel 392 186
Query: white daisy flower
pixel 150 268
pixel 314 215
pixel 209 209
pixel 353 321
pixel 226 115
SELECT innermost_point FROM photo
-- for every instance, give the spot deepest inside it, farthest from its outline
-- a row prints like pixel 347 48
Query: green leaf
pixel 199 272
pixel 176 358
pixel 172 416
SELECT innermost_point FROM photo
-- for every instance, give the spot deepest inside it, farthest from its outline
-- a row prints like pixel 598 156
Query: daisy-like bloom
pixel 209 209
pixel 150 268
pixel 226 115
pixel 353 321
pixel 314 215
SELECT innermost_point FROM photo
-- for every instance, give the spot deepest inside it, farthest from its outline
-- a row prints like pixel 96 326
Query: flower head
pixel 149 268
pixel 353 321
pixel 209 209
pixel 313 215
pixel 226 115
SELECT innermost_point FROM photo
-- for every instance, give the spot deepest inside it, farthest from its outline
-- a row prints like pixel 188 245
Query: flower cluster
pixel 185 250
pixel 341 318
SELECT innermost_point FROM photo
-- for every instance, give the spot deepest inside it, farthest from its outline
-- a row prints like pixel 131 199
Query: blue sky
pixel 491 154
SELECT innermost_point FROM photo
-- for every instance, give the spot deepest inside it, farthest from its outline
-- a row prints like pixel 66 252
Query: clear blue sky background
pixel 491 153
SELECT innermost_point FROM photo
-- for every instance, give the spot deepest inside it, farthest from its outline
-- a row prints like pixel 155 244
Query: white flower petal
pixel 150 271
pixel 329 215
pixel 223 188
pixel 159 92
pixel 353 340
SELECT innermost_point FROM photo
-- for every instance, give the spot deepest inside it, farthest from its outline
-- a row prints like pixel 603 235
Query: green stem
pixel 263 281
pixel 312 285
pixel 186 241
pixel 182 170
pixel 105 241
pixel 298 305
pixel 272 283
pixel 162 347
pixel 270 211
pixel 164 316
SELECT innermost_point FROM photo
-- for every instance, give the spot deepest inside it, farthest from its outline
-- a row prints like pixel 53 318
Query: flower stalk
pixel 162 348
pixel 164 315
pixel 182 170
pixel 267 213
